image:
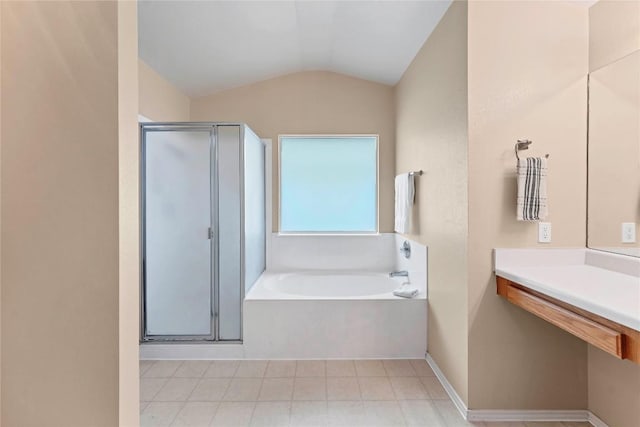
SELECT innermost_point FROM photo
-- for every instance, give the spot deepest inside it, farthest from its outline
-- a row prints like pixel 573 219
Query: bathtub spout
pixel 402 273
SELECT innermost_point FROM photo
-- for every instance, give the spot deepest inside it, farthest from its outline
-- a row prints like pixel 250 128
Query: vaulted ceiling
pixel 206 46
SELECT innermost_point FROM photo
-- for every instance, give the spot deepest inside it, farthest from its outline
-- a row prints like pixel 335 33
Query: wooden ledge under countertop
pixel 612 337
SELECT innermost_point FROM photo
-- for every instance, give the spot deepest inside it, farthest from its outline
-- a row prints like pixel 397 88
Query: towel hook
pixel 523 144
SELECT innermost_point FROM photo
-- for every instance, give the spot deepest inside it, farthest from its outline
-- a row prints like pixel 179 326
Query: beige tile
pixel 310 389
pixel 408 388
pixel 576 424
pixel 210 389
pixel 370 368
pixel 192 369
pixel 399 368
pixel 251 369
pixel 503 424
pixel 281 369
pixel 383 413
pixel 158 414
pixel 434 388
pixel 309 414
pixel 162 369
pixel 222 369
pixel 422 368
pixel 196 414
pixel 233 414
pixel 176 390
pixel 341 368
pixel 451 416
pixel 149 387
pixel 345 414
pixel 420 413
pixel 145 365
pixel 543 424
pixel 271 414
pixel 243 390
pixel 310 368
pixel 276 389
pixel 343 388
pixel 376 388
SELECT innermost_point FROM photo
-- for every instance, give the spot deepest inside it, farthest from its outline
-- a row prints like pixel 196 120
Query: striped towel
pixel 532 189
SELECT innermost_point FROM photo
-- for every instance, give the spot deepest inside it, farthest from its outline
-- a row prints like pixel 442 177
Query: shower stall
pixel 203 228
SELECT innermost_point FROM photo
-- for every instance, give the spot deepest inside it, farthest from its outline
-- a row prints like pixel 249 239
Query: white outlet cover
pixel 544 232
pixel 628 232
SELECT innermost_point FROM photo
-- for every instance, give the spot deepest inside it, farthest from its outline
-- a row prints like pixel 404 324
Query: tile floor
pixel 299 393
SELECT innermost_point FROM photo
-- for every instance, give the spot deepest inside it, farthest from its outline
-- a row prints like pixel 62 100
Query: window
pixel 328 184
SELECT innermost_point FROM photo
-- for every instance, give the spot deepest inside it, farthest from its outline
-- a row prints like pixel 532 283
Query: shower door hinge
pixel 210 233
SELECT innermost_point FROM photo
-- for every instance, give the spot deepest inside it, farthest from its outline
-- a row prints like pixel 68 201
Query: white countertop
pixel 597 282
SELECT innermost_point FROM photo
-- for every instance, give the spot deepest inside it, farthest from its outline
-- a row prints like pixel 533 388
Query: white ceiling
pixel 207 46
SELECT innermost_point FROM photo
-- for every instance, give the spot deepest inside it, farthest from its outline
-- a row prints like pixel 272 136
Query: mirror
pixel 614 156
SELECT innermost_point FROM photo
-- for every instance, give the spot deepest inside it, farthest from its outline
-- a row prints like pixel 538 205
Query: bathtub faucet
pixel 403 273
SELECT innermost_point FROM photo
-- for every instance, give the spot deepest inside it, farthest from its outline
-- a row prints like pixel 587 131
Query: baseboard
pixel 453 395
pixel 511 415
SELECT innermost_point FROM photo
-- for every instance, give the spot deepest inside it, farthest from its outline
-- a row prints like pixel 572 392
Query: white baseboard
pixel 511 415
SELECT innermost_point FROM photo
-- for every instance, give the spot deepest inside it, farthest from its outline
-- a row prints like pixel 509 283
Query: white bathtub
pixel 335 315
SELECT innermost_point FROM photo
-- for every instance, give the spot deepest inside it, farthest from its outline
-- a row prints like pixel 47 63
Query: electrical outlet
pixel 628 232
pixel 544 232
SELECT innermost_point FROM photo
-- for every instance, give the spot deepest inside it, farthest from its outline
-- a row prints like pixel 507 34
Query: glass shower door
pixel 178 245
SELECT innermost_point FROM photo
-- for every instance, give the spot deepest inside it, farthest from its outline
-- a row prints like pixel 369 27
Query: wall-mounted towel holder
pixel 414 173
pixel 523 144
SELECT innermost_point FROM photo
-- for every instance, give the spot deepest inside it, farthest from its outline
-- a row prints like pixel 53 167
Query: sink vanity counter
pixel 592 294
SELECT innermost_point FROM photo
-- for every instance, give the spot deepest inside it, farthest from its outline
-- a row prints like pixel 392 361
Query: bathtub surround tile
pixel 195 414
pixel 383 413
pixel 421 413
pixel 341 414
pixel 399 368
pixel 233 414
pixel 343 388
pixel 276 389
pixel 162 369
pixel 222 369
pixel 376 388
pixel 311 368
pixel 149 387
pixel 251 369
pixel 370 368
pixel 281 369
pixel 158 414
pixel 308 414
pixel 434 388
pixel 210 389
pixel 192 369
pixel 341 368
pixel 271 414
pixel 422 368
pixel 408 388
pixel 176 390
pixel 243 390
pixel 145 365
pixel 310 388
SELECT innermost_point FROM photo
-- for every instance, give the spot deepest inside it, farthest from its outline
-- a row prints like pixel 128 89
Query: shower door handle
pixel 210 233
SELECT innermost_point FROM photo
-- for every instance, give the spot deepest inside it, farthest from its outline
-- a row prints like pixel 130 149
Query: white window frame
pixel 329 233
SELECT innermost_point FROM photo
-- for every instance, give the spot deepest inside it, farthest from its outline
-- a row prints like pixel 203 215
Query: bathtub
pixel 333 315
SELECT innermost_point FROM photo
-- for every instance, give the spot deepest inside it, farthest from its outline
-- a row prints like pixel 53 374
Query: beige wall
pixel 59 236
pixel 128 223
pixel 431 134
pixel 524 82
pixel 307 103
pixel 614 385
pixel 159 100
pixel 614 31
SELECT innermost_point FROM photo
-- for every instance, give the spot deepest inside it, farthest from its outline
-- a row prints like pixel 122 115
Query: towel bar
pixel 523 144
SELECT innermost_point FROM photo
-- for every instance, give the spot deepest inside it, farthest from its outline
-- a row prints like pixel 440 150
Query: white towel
pixel 406 291
pixel 405 192
pixel 532 189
